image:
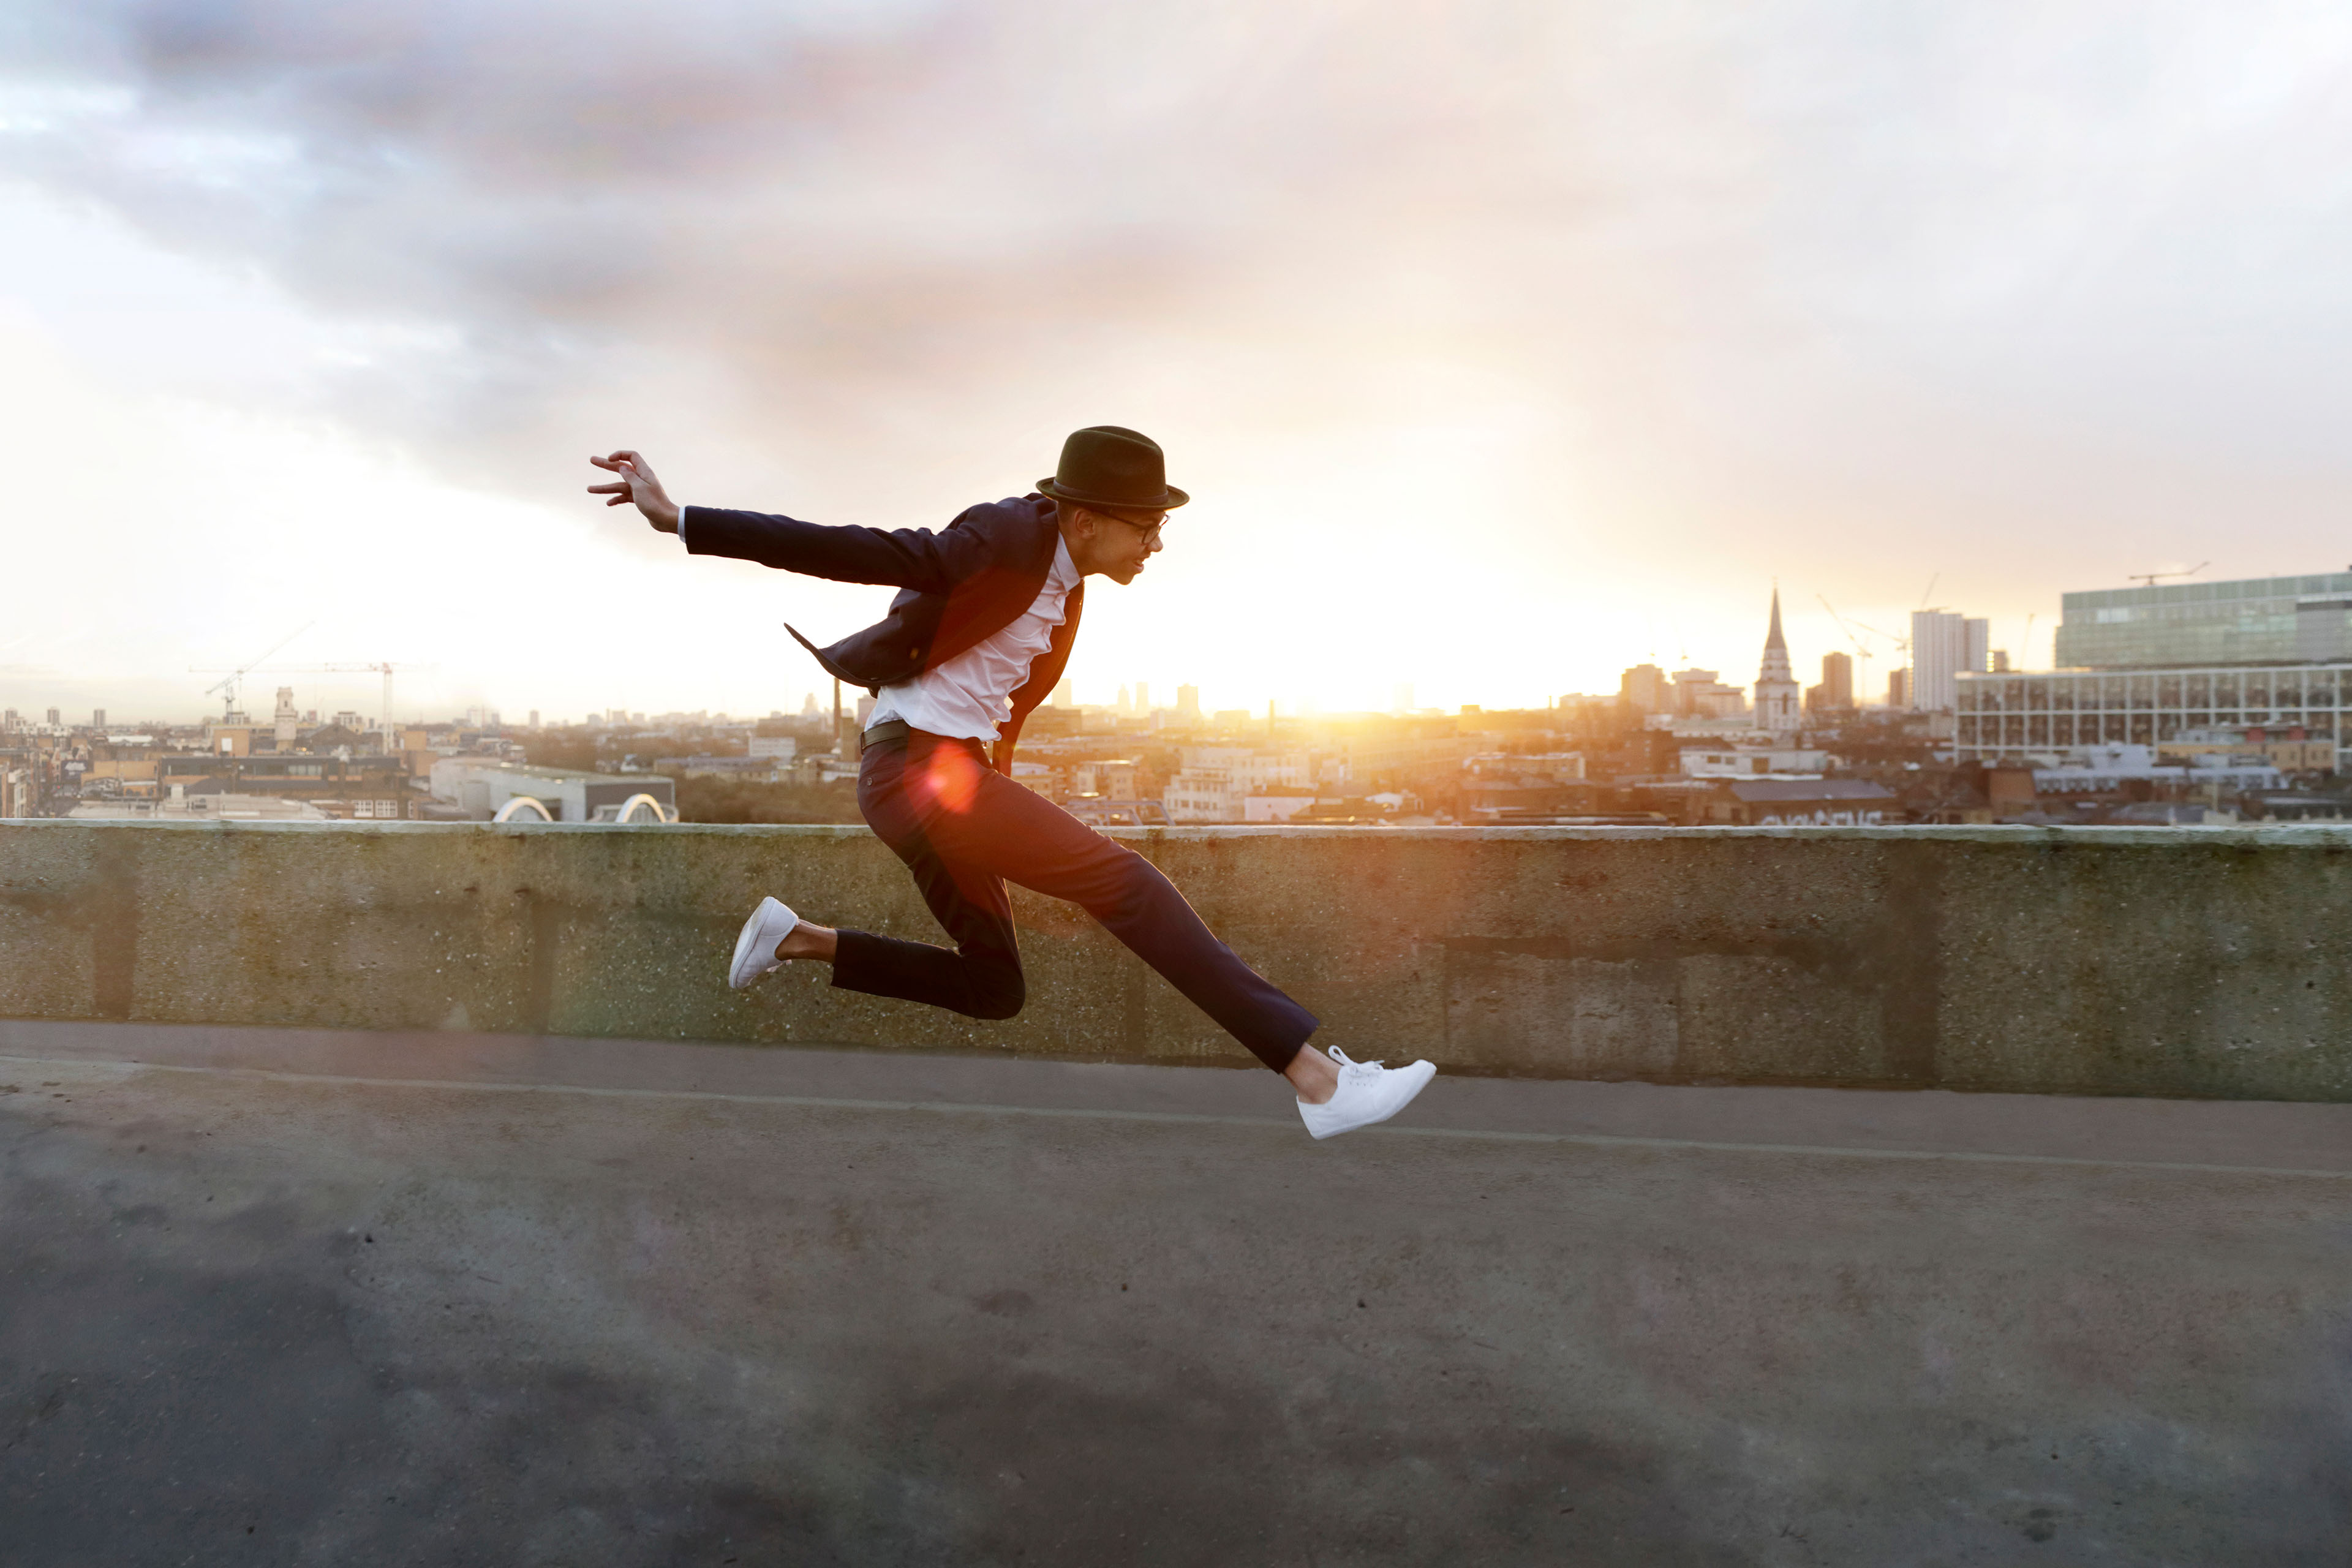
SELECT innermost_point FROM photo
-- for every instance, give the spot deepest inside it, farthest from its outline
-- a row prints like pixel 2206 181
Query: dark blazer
pixel 957 587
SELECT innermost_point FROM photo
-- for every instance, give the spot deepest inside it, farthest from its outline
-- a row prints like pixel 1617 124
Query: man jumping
pixel 975 640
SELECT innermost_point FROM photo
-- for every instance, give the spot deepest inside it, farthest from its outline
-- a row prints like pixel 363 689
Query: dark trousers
pixel 965 830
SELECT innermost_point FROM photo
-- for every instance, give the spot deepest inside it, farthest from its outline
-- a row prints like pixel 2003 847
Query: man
pixel 976 637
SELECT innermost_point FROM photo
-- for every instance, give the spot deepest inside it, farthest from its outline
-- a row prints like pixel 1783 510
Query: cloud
pixel 1605 281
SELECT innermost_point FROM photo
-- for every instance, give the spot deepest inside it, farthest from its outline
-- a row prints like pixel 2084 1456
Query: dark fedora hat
pixel 1106 465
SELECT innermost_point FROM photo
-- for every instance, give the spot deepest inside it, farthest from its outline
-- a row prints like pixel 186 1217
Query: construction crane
pixel 384 667
pixel 2150 579
pixel 380 667
pixel 1861 649
pixel 234 680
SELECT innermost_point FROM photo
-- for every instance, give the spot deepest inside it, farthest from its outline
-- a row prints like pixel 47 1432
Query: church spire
pixel 1777 690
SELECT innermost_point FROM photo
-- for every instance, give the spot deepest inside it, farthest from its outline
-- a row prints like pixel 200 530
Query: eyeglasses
pixel 1150 531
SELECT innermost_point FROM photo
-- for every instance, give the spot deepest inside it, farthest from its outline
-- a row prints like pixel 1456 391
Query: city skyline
pixel 1492 385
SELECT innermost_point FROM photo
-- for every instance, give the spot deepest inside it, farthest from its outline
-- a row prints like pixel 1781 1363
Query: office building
pixel 1943 645
pixel 2255 620
pixel 2018 713
pixel 1188 702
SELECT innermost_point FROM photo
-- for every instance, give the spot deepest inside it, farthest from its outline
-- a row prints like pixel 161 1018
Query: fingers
pixel 608 489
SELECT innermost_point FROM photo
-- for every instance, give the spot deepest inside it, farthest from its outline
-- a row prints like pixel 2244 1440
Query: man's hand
pixel 638 486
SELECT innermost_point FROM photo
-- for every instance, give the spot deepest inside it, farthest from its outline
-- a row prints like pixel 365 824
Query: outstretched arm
pixel 902 557
pixel 636 487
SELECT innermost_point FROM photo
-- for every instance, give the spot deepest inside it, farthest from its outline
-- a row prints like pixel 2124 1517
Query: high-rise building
pixel 1401 701
pixel 1643 689
pixel 534 718
pixel 1064 695
pixel 97 718
pixel 52 718
pixel 1126 703
pixel 1775 682
pixel 2253 620
pixel 1143 696
pixel 1188 701
pixel 1898 688
pixel 1943 645
pixel 1836 690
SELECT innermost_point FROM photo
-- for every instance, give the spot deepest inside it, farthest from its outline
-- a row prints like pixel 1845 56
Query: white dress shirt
pixel 969 695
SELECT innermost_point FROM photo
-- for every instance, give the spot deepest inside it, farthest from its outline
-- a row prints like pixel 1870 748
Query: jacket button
pixel 914 653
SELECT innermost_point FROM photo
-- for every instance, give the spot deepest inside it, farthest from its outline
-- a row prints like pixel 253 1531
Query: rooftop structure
pixel 2251 620
pixel 481 789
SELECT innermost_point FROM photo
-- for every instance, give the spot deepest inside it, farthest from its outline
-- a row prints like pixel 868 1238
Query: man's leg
pixel 981 824
pixel 981 975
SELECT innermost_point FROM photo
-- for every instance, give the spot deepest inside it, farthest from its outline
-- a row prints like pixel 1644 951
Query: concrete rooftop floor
pixel 288 1296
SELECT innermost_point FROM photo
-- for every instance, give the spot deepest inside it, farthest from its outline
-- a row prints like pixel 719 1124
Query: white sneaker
pixel 1368 1092
pixel 755 950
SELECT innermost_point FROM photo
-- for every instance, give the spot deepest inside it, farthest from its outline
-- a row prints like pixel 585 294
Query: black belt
pixel 898 731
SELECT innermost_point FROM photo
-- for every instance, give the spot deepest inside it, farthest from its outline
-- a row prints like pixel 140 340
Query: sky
pixel 1501 345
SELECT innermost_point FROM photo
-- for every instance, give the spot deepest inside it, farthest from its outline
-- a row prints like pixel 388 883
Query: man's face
pixel 1117 544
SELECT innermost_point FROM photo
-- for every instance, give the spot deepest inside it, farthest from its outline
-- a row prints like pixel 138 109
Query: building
pixel 1700 694
pixel 337 783
pixel 476 787
pixel 201 807
pixel 1943 645
pixel 1643 690
pixel 2112 770
pixel 1835 693
pixel 2289 752
pixel 1776 681
pixel 1799 803
pixel 1188 703
pixel 1751 761
pixel 1205 795
pixel 2018 714
pixel 1898 688
pixel 2254 620
pixel 1279 804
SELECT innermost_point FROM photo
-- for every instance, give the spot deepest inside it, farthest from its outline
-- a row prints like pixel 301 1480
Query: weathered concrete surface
pixel 586 1303
pixel 2080 961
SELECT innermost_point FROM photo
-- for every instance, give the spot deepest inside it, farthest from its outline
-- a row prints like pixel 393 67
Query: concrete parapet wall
pixel 2205 963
